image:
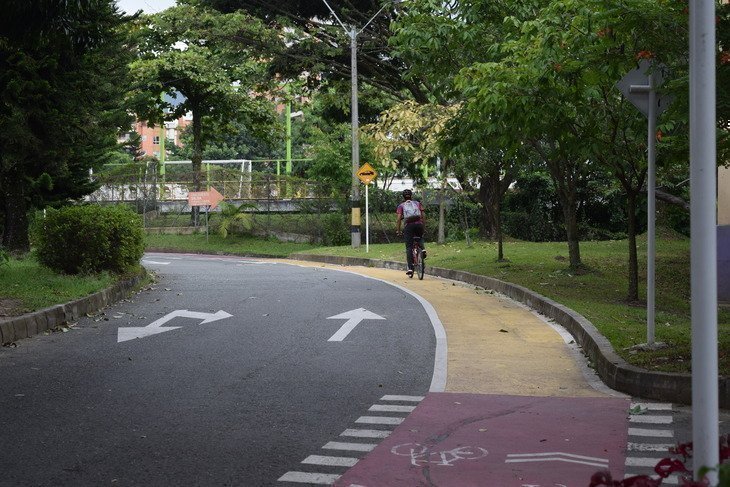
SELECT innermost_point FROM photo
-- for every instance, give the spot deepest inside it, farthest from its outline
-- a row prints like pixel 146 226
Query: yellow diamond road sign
pixel 367 173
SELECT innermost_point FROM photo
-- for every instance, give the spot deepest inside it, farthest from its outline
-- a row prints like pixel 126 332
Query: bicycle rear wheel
pixel 421 265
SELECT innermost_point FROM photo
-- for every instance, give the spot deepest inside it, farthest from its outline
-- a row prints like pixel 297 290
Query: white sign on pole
pixel 639 87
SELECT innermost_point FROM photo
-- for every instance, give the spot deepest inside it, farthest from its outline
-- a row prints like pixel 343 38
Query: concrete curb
pixel 27 325
pixel 613 370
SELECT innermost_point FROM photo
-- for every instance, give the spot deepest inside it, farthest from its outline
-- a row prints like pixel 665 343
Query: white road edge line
pixel 438 380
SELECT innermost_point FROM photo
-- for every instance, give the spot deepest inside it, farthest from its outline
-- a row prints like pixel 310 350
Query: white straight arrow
pixel 130 333
pixel 353 318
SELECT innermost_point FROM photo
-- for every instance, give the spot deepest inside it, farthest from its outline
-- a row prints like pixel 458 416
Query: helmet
pixel 407 194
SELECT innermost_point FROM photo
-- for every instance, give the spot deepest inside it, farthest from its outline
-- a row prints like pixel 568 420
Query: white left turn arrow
pixel 353 318
pixel 130 333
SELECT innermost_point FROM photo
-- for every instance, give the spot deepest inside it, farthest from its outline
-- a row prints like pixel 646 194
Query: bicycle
pixel 418 262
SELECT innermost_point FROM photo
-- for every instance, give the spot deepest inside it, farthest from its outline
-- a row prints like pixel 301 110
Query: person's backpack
pixel 411 211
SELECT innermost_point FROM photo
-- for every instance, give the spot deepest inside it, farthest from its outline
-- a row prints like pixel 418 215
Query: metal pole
pixel 288 139
pixel 162 160
pixel 651 213
pixel 367 220
pixel 355 193
pixel 703 167
pixel 206 223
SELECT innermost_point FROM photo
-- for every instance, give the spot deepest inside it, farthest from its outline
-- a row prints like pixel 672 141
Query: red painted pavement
pixel 464 440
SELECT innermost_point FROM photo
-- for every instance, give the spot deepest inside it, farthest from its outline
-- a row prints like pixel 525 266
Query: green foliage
pixel 232 216
pixel 4 258
pixel 221 73
pixel 335 229
pixel 63 75
pixel 89 238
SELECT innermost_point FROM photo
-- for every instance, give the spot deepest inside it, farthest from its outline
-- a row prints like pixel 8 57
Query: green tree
pixel 215 62
pixel 63 72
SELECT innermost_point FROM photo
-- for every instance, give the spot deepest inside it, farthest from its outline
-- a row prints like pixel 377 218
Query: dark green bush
pixel 335 230
pixel 89 239
pixel 4 258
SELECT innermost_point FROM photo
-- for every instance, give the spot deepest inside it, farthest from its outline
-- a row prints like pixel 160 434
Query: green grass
pixel 599 293
pixel 27 286
pixel 233 244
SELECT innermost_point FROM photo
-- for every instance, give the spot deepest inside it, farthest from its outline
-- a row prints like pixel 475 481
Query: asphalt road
pixel 237 401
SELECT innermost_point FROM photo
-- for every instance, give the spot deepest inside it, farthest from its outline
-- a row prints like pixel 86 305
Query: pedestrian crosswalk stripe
pixel 650 446
pixel 309 478
pixel 379 420
pixel 652 406
pixel 402 398
pixel 636 418
pixel 338 445
pixel 359 433
pixel 330 461
pixel 391 409
pixel 651 433
pixel 641 462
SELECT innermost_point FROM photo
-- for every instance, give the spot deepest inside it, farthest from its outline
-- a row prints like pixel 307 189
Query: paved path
pixel 519 406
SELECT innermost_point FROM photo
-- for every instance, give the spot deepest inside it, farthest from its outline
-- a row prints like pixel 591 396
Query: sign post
pixel 367 174
pixel 209 199
pixel 639 87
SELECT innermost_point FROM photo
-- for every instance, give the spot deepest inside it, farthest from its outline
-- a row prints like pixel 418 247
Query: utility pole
pixel 703 229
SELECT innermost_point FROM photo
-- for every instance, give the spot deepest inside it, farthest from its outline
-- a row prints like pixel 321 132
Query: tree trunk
pixel 498 218
pixel 571 229
pixel 15 229
pixel 197 162
pixel 442 209
pixel 633 294
pixel 442 218
pixel 486 227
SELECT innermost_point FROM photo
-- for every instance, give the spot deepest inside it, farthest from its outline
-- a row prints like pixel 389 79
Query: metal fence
pixel 277 205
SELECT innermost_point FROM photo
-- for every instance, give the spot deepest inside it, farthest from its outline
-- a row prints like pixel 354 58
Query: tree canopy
pixel 63 71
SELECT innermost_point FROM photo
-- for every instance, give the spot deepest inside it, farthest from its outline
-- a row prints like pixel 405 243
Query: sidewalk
pixel 519 407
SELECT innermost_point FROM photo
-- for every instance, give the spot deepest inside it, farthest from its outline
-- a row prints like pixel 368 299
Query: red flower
pixel 659 135
pixel 667 466
pixel 724 57
pixel 644 55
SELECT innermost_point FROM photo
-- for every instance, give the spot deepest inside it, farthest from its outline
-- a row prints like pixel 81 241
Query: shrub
pixel 335 230
pixel 234 219
pixel 88 239
pixel 4 258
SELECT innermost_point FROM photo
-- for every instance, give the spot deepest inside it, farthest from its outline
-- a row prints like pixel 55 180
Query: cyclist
pixel 413 217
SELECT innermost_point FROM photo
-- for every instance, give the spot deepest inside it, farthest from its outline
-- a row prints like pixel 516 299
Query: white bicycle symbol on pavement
pixel 422 455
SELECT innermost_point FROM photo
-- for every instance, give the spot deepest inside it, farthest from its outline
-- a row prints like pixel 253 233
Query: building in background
pixel 150 136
